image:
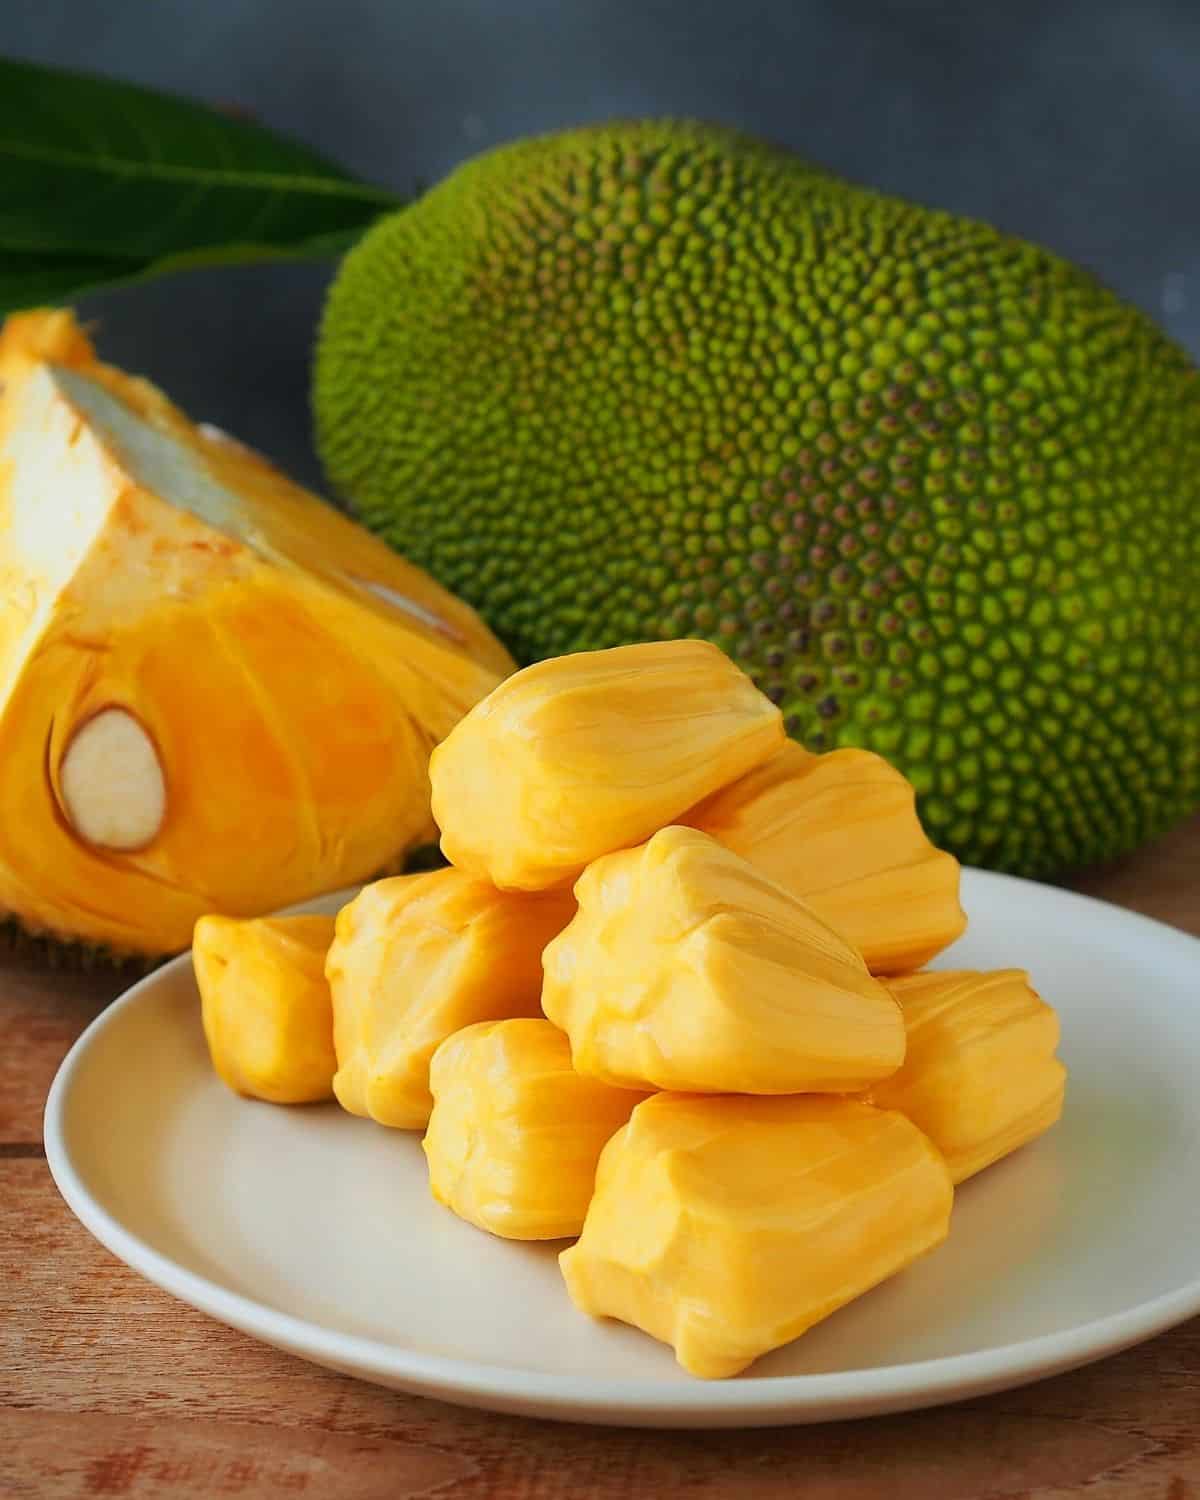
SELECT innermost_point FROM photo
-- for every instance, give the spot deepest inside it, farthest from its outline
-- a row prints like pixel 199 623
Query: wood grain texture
pixel 108 1387
pixel 41 1014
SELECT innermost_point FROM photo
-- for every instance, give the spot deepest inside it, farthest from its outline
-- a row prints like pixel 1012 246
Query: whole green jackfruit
pixel 935 489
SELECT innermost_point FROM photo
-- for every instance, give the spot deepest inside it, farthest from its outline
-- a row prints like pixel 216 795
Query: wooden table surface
pixel 108 1387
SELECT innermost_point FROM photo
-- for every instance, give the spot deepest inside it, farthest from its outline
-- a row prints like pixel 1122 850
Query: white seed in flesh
pixel 113 790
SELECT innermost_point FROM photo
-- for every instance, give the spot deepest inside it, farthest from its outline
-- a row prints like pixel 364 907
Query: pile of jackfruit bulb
pixel 668 1000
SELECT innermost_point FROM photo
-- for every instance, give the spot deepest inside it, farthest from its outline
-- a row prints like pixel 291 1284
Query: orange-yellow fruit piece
pixel 727 1226
pixel 841 832
pixel 216 692
pixel 415 959
pixel 580 755
pixel 516 1132
pixel 980 1077
pixel 686 968
pixel 265 1005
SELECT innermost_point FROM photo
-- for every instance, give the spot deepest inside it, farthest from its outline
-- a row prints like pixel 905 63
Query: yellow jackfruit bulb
pixel 686 968
pixel 581 755
pixel 516 1132
pixel 265 1005
pixel 728 1226
pixel 416 958
pixel 980 1077
pixel 841 832
pixel 216 692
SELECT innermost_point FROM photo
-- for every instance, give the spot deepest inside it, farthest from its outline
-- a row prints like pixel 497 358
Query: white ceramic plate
pixel 315 1231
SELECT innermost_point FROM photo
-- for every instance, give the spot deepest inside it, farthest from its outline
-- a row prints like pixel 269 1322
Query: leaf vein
pixel 243 177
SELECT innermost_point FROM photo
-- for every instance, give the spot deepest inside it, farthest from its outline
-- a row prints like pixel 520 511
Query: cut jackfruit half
pixel 217 694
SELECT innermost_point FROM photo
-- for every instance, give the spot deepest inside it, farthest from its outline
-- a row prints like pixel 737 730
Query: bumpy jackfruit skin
pixel 729 1226
pixel 685 968
pixel 216 693
pixel 516 1132
pixel 265 1005
pixel 416 958
pixel 980 1076
pixel 584 754
pixel 841 832
pixel 933 487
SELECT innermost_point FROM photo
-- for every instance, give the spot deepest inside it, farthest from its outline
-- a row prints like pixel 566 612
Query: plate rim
pixel 747 1400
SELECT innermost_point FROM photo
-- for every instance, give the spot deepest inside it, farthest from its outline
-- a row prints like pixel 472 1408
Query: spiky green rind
pixel 51 951
pixel 935 488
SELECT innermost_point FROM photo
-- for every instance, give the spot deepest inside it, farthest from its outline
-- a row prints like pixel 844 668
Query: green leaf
pixel 103 182
pixel 28 280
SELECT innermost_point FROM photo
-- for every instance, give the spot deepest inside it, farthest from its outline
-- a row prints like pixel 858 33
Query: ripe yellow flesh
pixel 728 1226
pixel 841 832
pixel 515 1132
pixel 686 968
pixel 288 672
pixel 980 1077
pixel 579 756
pixel 265 1005
pixel 415 959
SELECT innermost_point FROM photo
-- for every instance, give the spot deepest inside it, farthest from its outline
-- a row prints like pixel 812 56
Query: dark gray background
pixel 1075 123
